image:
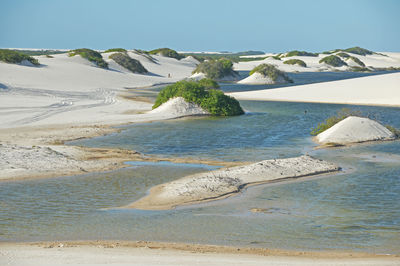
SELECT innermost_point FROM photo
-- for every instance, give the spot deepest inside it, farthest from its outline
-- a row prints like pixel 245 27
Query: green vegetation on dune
pixel 115 50
pixel 395 131
pixel 40 52
pixel 347 57
pixel 331 121
pixel 295 62
pixel 208 83
pixel 14 57
pixel 167 52
pixel 360 69
pixel 333 60
pixel 270 71
pixel 129 63
pixel 216 69
pixel 343 55
pixel 234 57
pixel 358 61
pixel 90 55
pixel 300 53
pixel 358 50
pixel 249 59
pixel 212 100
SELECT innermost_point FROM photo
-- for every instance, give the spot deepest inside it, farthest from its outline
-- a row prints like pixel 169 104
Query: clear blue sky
pixel 201 25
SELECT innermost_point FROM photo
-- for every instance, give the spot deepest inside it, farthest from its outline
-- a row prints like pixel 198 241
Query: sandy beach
pixel 151 253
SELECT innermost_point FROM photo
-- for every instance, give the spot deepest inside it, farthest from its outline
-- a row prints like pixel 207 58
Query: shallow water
pixel 357 209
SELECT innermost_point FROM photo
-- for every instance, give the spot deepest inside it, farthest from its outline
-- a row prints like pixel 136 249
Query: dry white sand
pixel 174 254
pixel 259 79
pixel 353 130
pixel 221 183
pixel 372 90
pixel 30 152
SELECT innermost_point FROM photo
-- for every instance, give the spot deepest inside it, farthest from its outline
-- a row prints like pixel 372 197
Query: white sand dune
pixel 313 65
pixel 372 90
pixel 259 79
pixel 221 183
pixel 353 130
pixel 73 90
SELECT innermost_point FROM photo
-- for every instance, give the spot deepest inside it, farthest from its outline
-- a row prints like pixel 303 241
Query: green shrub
pixel 333 60
pixel 216 69
pixel 14 57
pixel 358 50
pixel 212 100
pixel 300 53
pixel 115 50
pixel 167 52
pixel 129 63
pixel 208 84
pixel 295 62
pixel 270 71
pixel 276 57
pixel 90 55
pixel 331 121
pixel 394 130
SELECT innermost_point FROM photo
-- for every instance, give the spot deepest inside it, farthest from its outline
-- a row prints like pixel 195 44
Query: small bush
pixel 276 57
pixel 129 63
pixel 14 57
pixel 295 62
pixel 333 60
pixel 208 84
pixel 300 53
pixel 270 71
pixel 115 50
pixel 90 55
pixel 331 121
pixel 212 100
pixel 358 50
pixel 167 52
pixel 395 131
pixel 216 69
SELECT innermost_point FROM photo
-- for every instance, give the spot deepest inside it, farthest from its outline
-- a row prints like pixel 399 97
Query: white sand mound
pixel 260 79
pixel 197 76
pixel 221 183
pixel 355 129
pixel 178 107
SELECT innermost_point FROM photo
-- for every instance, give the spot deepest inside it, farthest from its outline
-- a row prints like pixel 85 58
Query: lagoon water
pixel 357 209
